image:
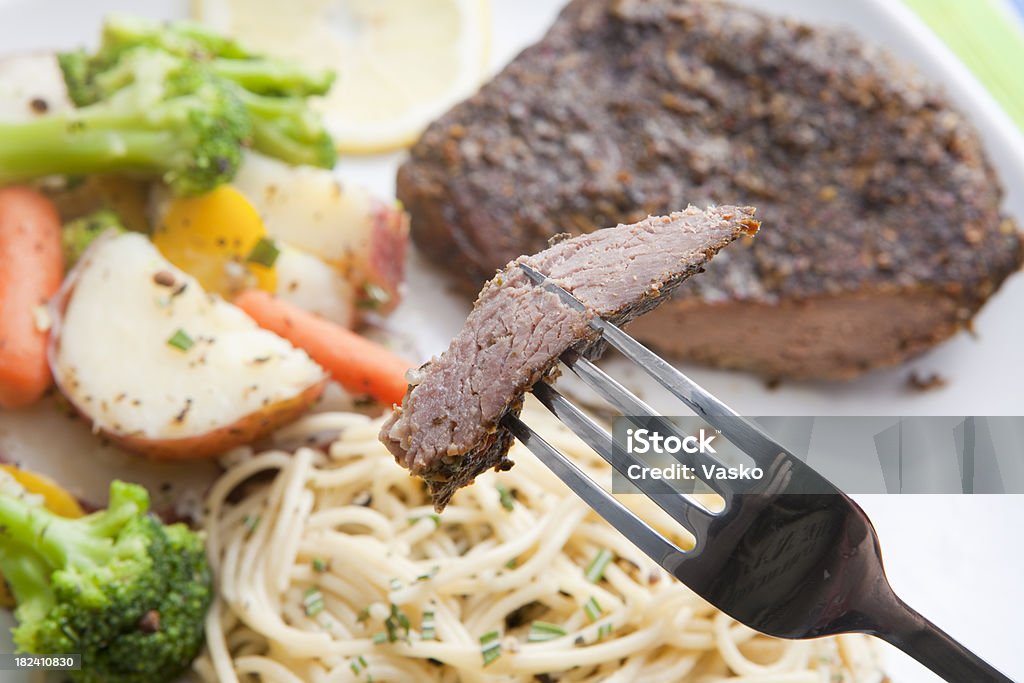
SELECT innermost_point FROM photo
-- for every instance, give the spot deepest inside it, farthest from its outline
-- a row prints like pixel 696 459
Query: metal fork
pixel 790 555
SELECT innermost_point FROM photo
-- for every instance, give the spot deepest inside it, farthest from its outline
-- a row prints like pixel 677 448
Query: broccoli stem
pixel 28 575
pixel 270 140
pixel 225 57
pixel 287 130
pixel 71 145
pixel 61 542
pixel 287 114
pixel 273 77
pixel 34 527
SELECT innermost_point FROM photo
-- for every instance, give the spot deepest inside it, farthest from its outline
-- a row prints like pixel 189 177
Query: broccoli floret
pixel 160 114
pixel 79 71
pixel 125 591
pixel 77 235
pixel 176 100
pixel 222 55
pixel 273 91
pixel 226 57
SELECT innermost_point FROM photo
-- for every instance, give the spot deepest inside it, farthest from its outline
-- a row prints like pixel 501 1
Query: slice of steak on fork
pixel 447 429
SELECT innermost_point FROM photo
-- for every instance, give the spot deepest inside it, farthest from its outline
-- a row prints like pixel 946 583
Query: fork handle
pixel 936 649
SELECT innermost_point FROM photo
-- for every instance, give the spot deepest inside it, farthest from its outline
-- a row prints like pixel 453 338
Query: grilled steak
pixel 447 429
pixel 886 231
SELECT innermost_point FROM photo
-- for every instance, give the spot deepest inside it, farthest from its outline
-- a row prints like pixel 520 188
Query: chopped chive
pixel 251 522
pixel 490 647
pixel 374 296
pixel 264 252
pixel 313 601
pixel 541 631
pixel 319 566
pixel 595 570
pixel 358 665
pixel 363 616
pixel 604 630
pixel 593 609
pixel 180 340
pixel 427 629
pixel 432 516
pixel 380 638
pixel 512 564
pixel 429 575
pixel 505 496
pixel 396 621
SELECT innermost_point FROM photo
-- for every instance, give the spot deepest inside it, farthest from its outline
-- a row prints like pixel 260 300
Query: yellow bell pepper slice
pixel 218 238
pixel 55 498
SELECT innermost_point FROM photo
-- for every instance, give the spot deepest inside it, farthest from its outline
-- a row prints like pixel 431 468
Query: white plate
pixel 952 557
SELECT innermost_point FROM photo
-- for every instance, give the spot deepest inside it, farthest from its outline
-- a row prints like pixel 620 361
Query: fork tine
pixel 629 404
pixel 682 509
pixel 656 546
pixel 605 385
pixel 685 389
pixel 740 431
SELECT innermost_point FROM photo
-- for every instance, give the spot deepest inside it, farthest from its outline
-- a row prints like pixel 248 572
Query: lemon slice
pixel 399 63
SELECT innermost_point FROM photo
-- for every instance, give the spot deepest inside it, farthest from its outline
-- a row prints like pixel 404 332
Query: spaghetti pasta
pixel 333 567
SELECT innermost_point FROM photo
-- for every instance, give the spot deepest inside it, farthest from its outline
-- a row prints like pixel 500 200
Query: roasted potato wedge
pixel 311 284
pixel 164 368
pixel 361 236
pixel 31 85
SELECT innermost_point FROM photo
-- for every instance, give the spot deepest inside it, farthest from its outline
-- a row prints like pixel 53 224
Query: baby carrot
pixel 355 362
pixel 31 269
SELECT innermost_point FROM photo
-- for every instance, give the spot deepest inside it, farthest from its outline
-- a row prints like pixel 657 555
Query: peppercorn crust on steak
pixel 886 234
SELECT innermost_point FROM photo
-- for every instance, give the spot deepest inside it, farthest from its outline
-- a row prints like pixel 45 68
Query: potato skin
pixel 215 443
pixel 210 444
